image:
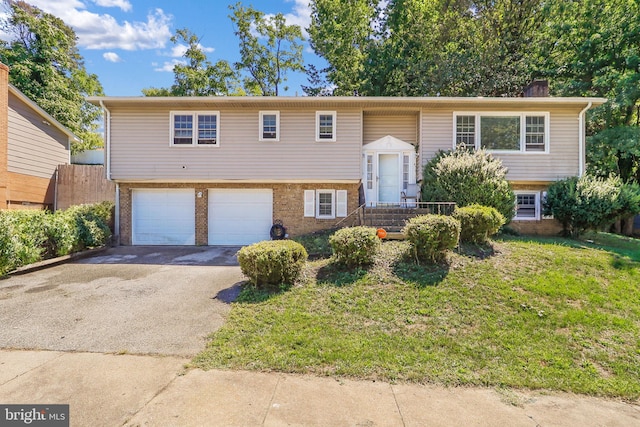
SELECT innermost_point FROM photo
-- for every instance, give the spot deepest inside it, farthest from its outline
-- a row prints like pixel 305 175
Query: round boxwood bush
pixel 272 263
pixel 432 235
pixel 478 222
pixel 355 246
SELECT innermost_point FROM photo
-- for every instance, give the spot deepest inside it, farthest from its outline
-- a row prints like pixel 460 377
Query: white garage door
pixel 239 216
pixel 163 217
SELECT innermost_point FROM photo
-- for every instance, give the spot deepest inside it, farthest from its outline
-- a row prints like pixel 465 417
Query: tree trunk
pixel 627 228
pixel 617 227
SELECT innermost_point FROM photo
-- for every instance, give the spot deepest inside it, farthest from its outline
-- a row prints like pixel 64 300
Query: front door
pixel 389 178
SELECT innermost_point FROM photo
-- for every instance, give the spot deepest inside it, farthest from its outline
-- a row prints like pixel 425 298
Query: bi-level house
pixel 222 170
pixel 32 145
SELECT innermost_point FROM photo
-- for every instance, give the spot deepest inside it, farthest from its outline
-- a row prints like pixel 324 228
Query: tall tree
pixel 269 49
pixel 198 76
pixel 45 65
pixel 592 48
pixel 340 32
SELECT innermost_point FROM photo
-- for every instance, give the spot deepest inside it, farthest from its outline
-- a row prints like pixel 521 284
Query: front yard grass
pixel 533 313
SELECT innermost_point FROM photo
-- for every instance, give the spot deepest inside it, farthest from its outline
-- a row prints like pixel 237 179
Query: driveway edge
pixel 56 261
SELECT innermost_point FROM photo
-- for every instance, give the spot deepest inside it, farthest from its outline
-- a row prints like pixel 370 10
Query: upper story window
pixel 466 131
pixel 507 132
pixel 325 126
pixel 269 126
pixel 191 128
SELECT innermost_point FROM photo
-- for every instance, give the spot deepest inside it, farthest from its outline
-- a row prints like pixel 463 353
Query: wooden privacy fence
pixel 81 184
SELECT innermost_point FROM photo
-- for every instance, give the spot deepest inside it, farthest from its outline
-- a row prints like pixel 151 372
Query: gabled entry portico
pixel 389 167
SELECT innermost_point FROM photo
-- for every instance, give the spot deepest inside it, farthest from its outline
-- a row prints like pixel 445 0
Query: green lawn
pixel 535 313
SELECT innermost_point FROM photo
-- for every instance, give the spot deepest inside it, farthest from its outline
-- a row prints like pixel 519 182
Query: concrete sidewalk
pixel 114 390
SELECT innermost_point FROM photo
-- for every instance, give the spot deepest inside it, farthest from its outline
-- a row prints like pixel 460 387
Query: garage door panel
pixel 239 216
pixel 163 217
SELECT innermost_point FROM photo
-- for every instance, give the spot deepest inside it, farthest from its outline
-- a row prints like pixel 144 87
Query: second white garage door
pixel 239 216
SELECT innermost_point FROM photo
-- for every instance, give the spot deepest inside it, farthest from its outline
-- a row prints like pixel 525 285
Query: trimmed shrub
pixel 584 203
pixel 478 223
pixel 355 246
pixel 432 235
pixel 467 178
pixel 271 263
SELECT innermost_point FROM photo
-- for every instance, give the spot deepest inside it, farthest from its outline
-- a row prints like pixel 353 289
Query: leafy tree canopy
pixel 45 65
pixel 198 76
pixel 269 49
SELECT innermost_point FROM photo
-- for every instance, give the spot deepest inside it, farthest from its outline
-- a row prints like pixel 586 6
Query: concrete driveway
pixel 141 300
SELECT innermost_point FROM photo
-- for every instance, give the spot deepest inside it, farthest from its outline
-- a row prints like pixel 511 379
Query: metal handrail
pixel 350 215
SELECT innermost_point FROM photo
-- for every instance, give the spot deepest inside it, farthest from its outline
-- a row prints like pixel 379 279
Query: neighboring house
pixel 32 145
pixel 221 170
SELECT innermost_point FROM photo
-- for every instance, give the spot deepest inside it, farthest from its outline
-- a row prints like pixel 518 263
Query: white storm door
pixel 388 178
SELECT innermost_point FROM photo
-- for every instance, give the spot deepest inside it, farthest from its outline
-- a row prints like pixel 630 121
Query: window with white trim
pixel 325 204
pixel 369 171
pixel 325 126
pixel 405 171
pixel 466 132
pixel 527 205
pixel 269 126
pixel 192 128
pixel 503 131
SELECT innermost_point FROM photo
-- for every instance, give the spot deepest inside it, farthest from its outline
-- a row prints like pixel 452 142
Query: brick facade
pixel 288 206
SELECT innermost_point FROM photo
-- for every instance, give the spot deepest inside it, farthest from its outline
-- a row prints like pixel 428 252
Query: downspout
pixel 107 164
pixel 55 191
pixel 582 139
pixel 116 224
pixel 107 139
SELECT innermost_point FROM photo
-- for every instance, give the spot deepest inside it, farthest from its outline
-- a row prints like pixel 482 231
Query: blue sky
pixel 126 42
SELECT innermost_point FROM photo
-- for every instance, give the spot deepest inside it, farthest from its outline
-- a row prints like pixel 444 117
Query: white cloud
pixel 301 15
pixel 180 49
pixel 103 31
pixel 111 57
pixel 167 67
pixel 122 4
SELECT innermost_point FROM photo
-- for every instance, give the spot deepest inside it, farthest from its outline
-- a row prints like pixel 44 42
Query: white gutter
pixel 582 140
pixel 107 139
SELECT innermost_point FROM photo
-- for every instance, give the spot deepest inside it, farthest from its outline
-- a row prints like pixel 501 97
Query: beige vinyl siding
pixel 404 127
pixel 34 148
pixel 562 160
pixel 140 148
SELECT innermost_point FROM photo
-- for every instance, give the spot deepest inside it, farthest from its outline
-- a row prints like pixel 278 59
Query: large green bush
pixel 91 223
pixel 355 246
pixel 272 263
pixel 478 222
pixel 22 238
pixel 587 202
pixel 467 178
pixel 28 236
pixel 432 235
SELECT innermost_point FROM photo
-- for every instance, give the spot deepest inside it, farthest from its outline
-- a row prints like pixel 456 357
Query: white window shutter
pixel 341 203
pixel 309 203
